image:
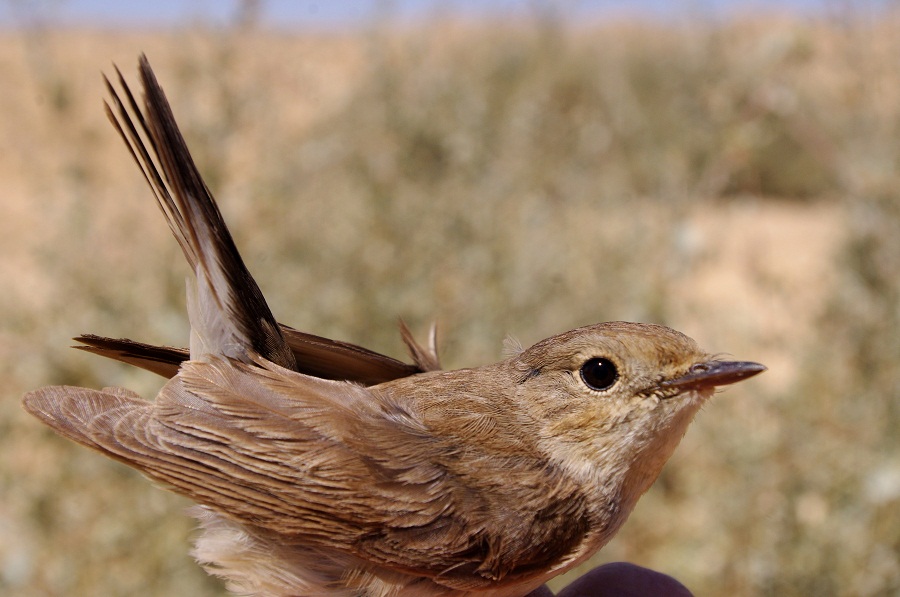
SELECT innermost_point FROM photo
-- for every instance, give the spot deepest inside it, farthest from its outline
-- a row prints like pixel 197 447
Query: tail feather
pixel 162 360
pixel 229 315
pixel 314 355
pixel 426 358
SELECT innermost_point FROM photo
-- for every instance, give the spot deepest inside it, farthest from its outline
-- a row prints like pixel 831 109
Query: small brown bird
pixel 324 468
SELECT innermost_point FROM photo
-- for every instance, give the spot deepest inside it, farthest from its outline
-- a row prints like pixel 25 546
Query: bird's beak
pixel 714 373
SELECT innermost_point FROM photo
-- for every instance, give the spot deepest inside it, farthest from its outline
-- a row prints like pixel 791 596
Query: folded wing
pixel 329 464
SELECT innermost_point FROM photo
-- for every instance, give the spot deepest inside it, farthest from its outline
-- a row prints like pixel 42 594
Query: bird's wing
pixel 328 463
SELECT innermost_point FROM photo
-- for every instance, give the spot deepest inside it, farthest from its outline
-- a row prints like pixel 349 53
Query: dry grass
pixel 736 181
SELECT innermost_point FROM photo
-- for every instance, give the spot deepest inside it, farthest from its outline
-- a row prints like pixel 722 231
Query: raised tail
pixel 228 313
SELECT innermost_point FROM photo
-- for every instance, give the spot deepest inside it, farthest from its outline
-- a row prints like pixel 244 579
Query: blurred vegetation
pixel 519 178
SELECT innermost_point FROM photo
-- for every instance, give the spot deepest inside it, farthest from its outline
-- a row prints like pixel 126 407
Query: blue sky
pixel 338 13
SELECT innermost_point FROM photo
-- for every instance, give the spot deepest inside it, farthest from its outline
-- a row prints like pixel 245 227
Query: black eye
pixel 599 374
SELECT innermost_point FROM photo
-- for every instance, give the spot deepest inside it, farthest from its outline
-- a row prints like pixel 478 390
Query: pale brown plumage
pixel 325 468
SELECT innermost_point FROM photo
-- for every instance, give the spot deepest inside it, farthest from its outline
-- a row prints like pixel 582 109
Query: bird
pixel 322 468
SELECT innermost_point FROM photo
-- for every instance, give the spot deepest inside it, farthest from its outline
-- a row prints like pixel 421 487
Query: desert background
pixel 734 178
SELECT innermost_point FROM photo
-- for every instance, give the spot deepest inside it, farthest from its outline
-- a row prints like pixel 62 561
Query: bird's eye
pixel 599 374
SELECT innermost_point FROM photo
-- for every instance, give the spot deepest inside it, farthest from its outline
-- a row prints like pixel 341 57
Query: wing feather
pixel 329 464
